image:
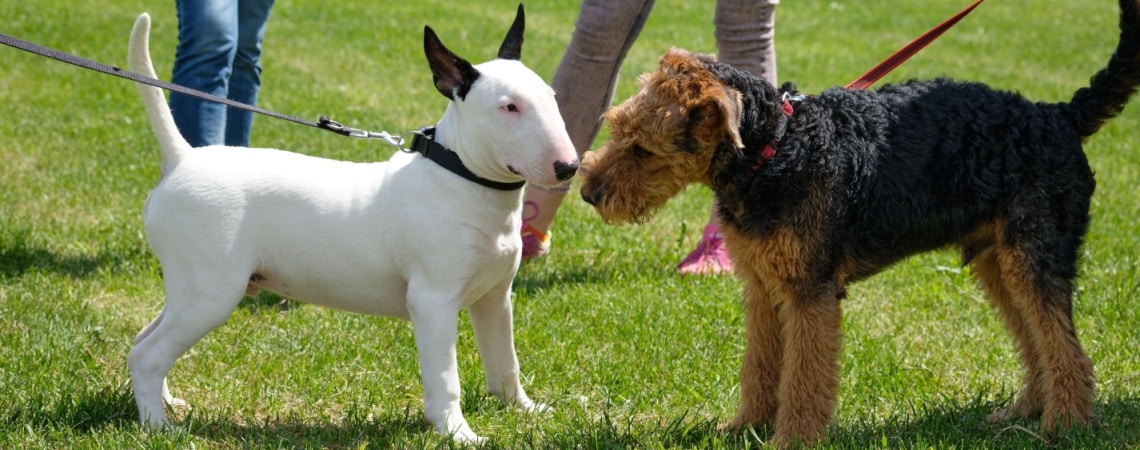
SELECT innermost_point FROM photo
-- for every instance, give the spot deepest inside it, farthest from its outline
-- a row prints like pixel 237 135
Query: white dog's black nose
pixel 564 171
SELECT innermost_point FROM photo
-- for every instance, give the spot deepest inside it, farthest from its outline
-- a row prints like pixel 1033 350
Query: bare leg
pixel 603 34
pixel 745 39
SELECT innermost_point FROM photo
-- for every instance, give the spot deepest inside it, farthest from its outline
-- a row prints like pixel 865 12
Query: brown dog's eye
pixel 641 152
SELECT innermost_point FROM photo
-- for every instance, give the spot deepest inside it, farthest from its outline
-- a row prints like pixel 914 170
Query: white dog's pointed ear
pixel 512 44
pixel 452 75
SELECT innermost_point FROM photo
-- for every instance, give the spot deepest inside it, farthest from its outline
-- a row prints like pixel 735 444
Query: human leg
pixel 602 36
pixel 245 80
pixel 207 41
pixel 745 38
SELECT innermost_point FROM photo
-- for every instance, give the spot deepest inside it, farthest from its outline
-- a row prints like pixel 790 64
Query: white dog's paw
pixel 465 435
pixel 162 426
pixel 531 406
pixel 156 425
pixel 472 439
pixel 175 402
pixel 170 399
pixel 458 430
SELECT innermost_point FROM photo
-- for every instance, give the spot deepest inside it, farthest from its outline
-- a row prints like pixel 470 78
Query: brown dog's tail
pixel 1110 89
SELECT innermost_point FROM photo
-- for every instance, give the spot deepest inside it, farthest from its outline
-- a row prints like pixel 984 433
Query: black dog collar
pixel 425 144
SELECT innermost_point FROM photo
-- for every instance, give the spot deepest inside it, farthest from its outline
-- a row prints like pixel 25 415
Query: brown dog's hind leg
pixel 1044 302
pixel 1029 402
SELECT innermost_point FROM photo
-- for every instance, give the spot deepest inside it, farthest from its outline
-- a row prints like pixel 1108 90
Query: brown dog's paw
pixel 732 427
pixel 1002 415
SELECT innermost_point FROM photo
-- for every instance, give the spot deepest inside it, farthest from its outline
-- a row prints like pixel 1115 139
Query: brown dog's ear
pixel 679 61
pixel 704 58
pixel 453 76
pixel 714 108
pixel 727 105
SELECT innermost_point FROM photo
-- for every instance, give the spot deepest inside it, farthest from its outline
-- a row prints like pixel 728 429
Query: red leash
pixel 909 50
pixel 871 76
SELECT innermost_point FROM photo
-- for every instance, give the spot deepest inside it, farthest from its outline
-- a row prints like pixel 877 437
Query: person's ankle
pixel 540 207
pixel 712 231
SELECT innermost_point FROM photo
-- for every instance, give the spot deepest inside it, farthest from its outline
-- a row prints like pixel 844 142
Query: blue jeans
pixel 219 52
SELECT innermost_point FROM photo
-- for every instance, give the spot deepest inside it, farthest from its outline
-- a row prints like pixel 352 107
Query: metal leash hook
pixel 422 131
pixel 326 123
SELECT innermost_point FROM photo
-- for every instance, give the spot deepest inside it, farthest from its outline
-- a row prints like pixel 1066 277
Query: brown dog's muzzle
pixel 592 193
pixel 592 196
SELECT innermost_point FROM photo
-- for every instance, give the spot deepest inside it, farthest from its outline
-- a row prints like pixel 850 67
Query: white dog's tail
pixel 170 140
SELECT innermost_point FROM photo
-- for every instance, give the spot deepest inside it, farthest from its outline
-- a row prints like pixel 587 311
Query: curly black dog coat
pixel 825 190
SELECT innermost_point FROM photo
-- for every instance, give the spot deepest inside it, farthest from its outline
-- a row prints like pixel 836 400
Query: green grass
pixel 628 353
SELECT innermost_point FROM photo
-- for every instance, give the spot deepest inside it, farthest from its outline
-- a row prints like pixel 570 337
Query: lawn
pixel 628 353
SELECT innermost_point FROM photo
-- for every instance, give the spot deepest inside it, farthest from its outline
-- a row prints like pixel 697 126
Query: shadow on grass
pixel 84 412
pixel 943 426
pixel 113 409
pixel 544 279
pixel 386 431
pixel 950 425
pixel 540 275
pixel 265 300
pixel 17 258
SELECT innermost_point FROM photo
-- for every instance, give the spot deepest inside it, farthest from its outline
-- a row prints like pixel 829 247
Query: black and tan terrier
pixel 821 191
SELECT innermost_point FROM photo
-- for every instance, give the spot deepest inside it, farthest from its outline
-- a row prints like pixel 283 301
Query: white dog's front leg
pixel 491 317
pixel 435 324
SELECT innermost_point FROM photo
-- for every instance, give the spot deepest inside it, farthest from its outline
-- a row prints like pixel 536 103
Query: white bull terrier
pixel 405 238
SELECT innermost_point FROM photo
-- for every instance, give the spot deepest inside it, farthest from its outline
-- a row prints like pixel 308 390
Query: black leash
pixel 422 143
pixel 324 124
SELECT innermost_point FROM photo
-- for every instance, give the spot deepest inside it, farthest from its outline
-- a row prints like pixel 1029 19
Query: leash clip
pixel 326 123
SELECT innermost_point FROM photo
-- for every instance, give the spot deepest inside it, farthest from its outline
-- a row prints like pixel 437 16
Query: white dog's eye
pixel 511 107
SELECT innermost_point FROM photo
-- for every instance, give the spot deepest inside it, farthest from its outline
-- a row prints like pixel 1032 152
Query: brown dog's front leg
pixel 760 373
pixel 809 377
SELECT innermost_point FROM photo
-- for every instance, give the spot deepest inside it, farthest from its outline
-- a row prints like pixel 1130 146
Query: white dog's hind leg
pixel 491 317
pixel 166 396
pixel 184 321
pixel 435 321
pixel 150 327
pixel 149 404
